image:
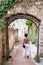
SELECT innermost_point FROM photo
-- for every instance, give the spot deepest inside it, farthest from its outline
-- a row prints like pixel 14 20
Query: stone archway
pixel 34 11
pixel 13 17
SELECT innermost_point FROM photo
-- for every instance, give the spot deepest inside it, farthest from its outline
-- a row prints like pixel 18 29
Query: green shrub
pixel 28 22
pixel 37 59
pixel 6 5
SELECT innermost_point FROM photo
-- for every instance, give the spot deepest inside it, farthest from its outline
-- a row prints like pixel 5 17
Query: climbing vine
pixel 5 5
pixel 33 35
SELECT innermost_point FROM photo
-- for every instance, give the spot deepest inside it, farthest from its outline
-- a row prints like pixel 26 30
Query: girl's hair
pixel 26 35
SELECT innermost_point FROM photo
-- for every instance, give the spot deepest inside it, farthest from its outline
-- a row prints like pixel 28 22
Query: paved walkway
pixel 17 59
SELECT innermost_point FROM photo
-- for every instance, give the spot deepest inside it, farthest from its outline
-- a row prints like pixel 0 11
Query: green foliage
pixel 37 59
pixel 17 0
pixel 5 5
pixel 33 35
pixel 29 22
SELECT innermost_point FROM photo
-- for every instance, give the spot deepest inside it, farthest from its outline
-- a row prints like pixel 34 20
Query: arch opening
pixel 13 17
pixel 20 24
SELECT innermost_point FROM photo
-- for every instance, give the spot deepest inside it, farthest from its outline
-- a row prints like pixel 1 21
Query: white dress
pixel 26 50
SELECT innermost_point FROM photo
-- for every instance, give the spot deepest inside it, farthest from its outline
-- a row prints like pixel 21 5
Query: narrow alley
pixel 18 59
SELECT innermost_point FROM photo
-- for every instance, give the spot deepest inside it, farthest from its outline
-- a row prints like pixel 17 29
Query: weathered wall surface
pixel 13 37
pixel 29 7
pixel 35 9
pixel 41 38
pixel 0 47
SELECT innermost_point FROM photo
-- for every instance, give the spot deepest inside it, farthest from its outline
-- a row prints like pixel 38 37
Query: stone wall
pixel 13 37
pixel 41 38
pixel 35 9
pixel 0 46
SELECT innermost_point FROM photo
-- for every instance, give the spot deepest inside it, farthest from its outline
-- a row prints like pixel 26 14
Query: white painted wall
pixel 21 26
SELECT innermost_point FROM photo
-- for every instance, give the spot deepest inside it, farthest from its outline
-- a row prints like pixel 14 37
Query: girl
pixel 26 46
